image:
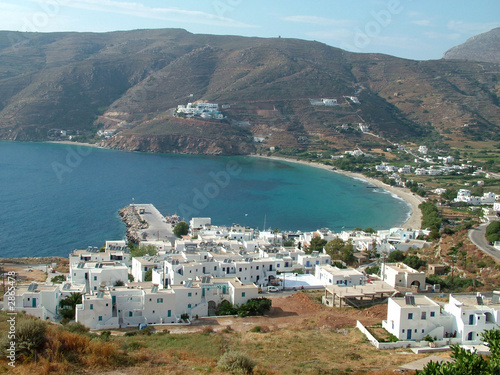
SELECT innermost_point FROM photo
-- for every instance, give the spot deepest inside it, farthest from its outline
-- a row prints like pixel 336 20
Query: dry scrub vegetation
pixel 303 338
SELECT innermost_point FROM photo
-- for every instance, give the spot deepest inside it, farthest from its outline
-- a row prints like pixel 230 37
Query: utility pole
pixel 453 261
pixel 382 271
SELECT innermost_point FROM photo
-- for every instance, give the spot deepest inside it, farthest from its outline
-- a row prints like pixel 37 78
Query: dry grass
pixel 313 351
pixel 309 347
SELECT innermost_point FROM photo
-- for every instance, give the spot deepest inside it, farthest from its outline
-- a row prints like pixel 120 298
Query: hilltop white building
pixel 204 110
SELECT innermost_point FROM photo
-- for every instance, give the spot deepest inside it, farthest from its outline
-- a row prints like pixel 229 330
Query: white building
pixel 39 300
pixel 488 198
pixel 400 275
pixel 364 127
pixel 141 265
pixel 240 233
pixel 329 275
pixel 423 150
pixel 112 253
pixel 310 261
pixel 413 317
pixel 473 315
pixel 146 303
pixel 405 169
pixel 92 275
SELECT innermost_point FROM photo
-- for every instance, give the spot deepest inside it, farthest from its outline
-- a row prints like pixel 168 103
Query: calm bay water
pixel 55 198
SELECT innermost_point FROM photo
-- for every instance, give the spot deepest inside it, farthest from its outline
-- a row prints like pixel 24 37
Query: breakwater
pixel 134 223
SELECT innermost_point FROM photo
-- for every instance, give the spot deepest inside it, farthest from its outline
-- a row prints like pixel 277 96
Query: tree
pixel 396 256
pixel 493 231
pixel 139 251
pixel 333 247
pixel 149 275
pixel 317 244
pixel 414 262
pixel 347 254
pixel 68 305
pixel 181 229
pixel 467 362
pixel 450 194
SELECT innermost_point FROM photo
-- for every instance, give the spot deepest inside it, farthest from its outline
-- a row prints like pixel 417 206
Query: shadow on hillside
pixel 277 312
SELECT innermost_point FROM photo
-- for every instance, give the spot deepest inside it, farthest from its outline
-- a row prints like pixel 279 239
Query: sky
pixel 413 29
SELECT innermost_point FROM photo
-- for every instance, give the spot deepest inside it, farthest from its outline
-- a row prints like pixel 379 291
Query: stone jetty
pixel 135 225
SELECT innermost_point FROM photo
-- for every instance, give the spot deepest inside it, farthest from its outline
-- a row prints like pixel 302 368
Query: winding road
pixel 477 236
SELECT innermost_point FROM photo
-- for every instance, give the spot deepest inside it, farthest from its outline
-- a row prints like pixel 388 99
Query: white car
pixel 272 289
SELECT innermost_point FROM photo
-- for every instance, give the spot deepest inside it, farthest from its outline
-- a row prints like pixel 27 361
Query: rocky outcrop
pixel 182 144
pixel 482 47
pixel 133 223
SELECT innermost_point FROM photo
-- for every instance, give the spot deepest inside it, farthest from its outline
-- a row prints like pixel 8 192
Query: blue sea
pixel 55 197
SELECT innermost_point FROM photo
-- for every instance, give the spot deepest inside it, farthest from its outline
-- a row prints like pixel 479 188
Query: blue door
pixel 33 302
pixel 408 334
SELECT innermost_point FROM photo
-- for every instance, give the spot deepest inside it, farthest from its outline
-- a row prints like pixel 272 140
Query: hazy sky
pixel 415 29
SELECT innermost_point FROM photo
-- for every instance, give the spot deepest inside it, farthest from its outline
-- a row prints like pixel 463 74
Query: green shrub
pixel 76 328
pixel 255 329
pixel 235 363
pixel 58 279
pixel 30 336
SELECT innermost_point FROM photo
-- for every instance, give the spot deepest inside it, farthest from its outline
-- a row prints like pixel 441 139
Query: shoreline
pixel 412 200
pixel 95 145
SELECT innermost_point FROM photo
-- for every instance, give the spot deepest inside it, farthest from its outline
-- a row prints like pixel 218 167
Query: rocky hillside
pixel 482 47
pixel 59 84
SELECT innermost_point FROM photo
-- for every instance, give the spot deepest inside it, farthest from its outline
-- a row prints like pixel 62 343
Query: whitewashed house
pixel 310 261
pixel 240 233
pixel 472 315
pixel 413 317
pixel 146 303
pixel 96 274
pixel 488 198
pixel 400 275
pixel 141 265
pixel 39 300
pixel 329 275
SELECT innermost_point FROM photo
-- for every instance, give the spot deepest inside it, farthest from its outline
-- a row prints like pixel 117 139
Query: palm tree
pixel 68 305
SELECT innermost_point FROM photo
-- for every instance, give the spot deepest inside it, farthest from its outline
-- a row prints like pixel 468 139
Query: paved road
pixel 158 228
pixel 477 236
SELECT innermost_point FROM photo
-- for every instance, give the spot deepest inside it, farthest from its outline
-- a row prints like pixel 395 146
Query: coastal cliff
pixel 184 144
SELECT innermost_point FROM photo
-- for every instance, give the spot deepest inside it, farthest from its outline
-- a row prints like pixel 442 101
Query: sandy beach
pixel 413 200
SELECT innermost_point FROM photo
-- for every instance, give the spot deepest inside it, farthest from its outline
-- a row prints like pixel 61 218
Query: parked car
pixel 272 289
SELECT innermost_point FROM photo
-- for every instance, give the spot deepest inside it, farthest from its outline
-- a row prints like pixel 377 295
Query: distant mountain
pixel 482 47
pixel 128 81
